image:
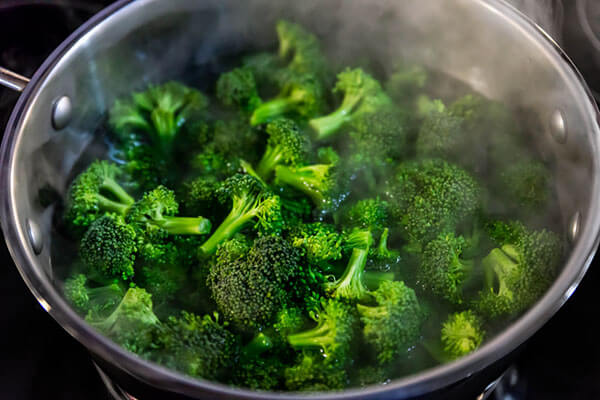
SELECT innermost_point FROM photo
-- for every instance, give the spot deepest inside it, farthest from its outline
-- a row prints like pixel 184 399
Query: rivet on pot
pixel 574 226
pixel 62 111
pixel 35 236
pixel 558 127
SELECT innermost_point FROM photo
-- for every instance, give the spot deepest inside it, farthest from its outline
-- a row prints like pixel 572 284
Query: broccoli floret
pixel 313 372
pixel 131 323
pixel 333 334
pixel 381 257
pixel 250 290
pixel 320 182
pixel 264 373
pixel 159 112
pixel 94 302
pixel 372 375
pixel 321 243
pixel 162 281
pixel 108 248
pixel 519 270
pixel 525 185
pixel 197 346
pixel 198 195
pixel 405 83
pixel 145 168
pixel 238 88
pixel 365 219
pixel 154 212
pixel 287 145
pixel 442 135
pixel 443 270
pixel 301 95
pixel 393 325
pixel 250 200
pixel 94 192
pixel 265 67
pixel 289 320
pixel 362 95
pixel 429 197
pixel 462 333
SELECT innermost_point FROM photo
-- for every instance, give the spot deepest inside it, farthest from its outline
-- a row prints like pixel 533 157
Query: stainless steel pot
pixel 484 43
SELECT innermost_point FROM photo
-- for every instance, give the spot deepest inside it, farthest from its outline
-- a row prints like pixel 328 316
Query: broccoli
pixel 362 95
pixel 405 83
pixel 93 302
pixel 302 95
pixel 153 215
pixel 393 325
pixel 289 320
pixel 131 323
pixel 250 200
pixel 159 112
pixel 320 242
pixel 94 192
pixel 381 257
pixel 238 88
pixel 197 346
pixel 442 135
pixel 333 334
pixel 163 281
pixel 525 186
pixel 250 290
pixel 198 195
pixel 443 270
pixel 108 248
pixel 286 145
pixel 266 68
pixel 429 197
pixel 145 168
pixel 313 372
pixel 519 270
pixel 462 333
pixel 365 219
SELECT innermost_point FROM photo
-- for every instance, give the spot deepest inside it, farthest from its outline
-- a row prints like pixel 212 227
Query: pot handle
pixel 12 80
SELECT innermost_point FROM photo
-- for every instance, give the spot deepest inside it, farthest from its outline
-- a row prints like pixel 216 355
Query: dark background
pixel 38 360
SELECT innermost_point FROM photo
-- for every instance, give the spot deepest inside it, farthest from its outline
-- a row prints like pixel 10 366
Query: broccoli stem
pixel 112 187
pixel 373 279
pixel 327 126
pixel 317 337
pixel 372 312
pixel 269 110
pixel 269 161
pixel 109 205
pixel 350 285
pixel 185 225
pixel 235 221
pixel 304 180
pixel 497 266
pixel 258 345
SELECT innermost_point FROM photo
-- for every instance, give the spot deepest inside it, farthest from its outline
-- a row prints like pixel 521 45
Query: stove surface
pixel 39 360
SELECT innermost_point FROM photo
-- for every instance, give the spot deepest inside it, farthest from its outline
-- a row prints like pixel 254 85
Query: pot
pixel 486 44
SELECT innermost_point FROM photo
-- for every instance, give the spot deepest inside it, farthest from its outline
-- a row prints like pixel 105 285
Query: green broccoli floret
pixel 250 290
pixel 320 242
pixel 145 168
pixel 405 83
pixel 442 135
pixel 238 88
pixel 333 334
pixel 393 325
pixel 372 375
pixel 365 219
pixel 108 248
pixel 250 200
pixel 159 112
pixel 264 373
pixel 153 215
pixel 301 95
pixel 265 67
pixel 289 320
pixel 197 346
pixel 94 302
pixel 462 333
pixel 131 323
pixel 315 373
pixel 443 270
pixel 381 257
pixel 525 185
pixel 429 197
pixel 94 192
pixel 287 145
pixel 362 95
pixel 163 281
pixel 198 195
pixel 519 270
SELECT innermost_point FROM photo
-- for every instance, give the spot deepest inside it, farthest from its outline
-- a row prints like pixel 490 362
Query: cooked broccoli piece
pixel 159 112
pixel 405 83
pixel 365 219
pixel 372 375
pixel 519 270
pixel 266 68
pixel 462 333
pixel 289 320
pixel 442 135
pixel 320 242
pixel 153 215
pixel 131 323
pixel 199 346
pixel 381 257
pixel 162 281
pixel 525 186
pixel 302 96
pixel 198 195
pixel 264 373
pixel 443 270
pixel 95 302
pixel 362 95
pixel 94 192
pixel 333 334
pixel 429 197
pixel 393 325
pixel 287 145
pixel 238 88
pixel 313 372
pixel 108 248
pixel 250 290
pixel 250 200
pixel 145 168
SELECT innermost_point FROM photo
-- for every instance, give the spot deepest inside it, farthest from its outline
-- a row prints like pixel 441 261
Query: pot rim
pixel 420 383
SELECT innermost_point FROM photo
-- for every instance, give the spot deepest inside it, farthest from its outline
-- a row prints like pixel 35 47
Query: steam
pixel 549 14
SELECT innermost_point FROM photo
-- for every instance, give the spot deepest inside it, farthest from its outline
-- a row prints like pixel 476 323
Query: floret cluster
pixel 307 227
